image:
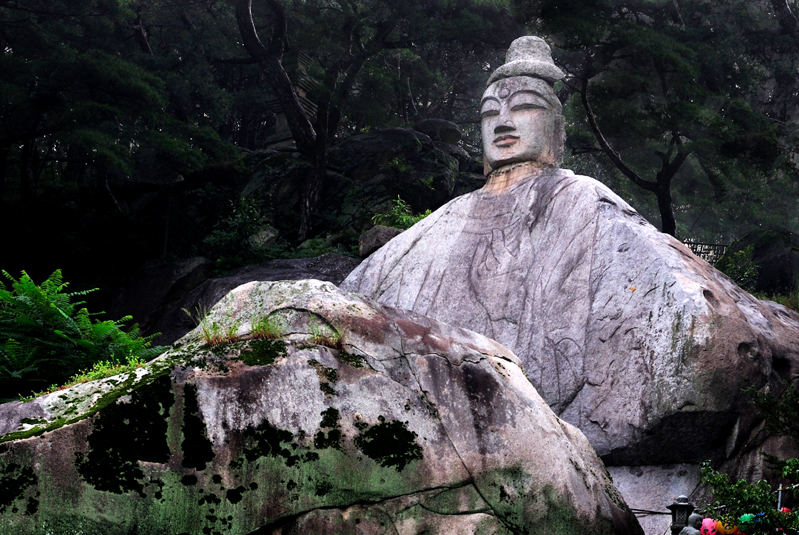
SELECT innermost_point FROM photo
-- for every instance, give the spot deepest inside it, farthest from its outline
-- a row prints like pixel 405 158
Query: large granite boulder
pixel 440 130
pixel 181 316
pixel 375 238
pixel 621 329
pixel 358 418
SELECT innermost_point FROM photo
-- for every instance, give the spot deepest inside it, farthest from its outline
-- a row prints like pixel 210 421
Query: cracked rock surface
pixel 622 330
pixel 313 411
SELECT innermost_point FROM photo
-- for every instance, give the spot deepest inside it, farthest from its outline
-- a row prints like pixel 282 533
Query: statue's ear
pixel 486 168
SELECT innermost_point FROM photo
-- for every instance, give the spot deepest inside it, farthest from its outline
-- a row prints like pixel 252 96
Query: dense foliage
pixel 46 336
pixel 753 506
pixel 692 101
pixel 739 267
pixel 110 110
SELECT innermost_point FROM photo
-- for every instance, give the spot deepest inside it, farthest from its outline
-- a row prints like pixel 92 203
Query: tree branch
pixel 786 18
pixel 614 156
pixel 187 22
pixel 576 151
pixel 675 13
pixel 277 44
pixel 25 136
pixel 668 172
pixel 141 37
pixel 270 60
pixel 719 187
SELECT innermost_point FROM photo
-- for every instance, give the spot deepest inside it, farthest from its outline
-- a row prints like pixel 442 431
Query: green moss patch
pixel 32 421
pixel 325 373
pixel 263 352
pixel 267 441
pixel 356 361
pixel 14 481
pixel 120 386
pixel 327 377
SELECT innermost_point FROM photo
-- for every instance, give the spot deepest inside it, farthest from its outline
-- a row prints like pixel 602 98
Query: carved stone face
pixel 521 122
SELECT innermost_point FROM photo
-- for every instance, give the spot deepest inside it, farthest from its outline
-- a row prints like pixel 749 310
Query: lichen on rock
pixel 427 427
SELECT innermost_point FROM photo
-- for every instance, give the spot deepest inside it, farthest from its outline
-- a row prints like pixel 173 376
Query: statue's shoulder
pixel 591 186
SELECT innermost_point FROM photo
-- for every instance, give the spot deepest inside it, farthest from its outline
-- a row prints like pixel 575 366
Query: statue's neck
pixel 499 180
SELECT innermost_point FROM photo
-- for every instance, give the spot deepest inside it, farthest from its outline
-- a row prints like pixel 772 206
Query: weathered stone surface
pixel 644 488
pixel 466 162
pixel 528 56
pixel 468 182
pixel 359 418
pixel 262 240
pixel 375 238
pixel 173 322
pixel 623 331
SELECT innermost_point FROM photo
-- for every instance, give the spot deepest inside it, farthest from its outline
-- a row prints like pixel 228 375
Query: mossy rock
pixel 356 418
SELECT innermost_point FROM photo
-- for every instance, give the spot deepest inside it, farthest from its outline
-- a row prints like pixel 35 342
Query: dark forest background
pixel 134 129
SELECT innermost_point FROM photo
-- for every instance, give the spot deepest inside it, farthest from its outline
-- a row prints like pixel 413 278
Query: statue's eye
pixel 490 112
pixel 526 106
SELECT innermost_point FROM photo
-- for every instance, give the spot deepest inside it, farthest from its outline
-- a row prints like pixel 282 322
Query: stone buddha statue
pixel 521 117
pixel 620 328
pixel 478 262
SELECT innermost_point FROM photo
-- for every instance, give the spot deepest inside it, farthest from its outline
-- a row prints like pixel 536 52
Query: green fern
pixel 44 336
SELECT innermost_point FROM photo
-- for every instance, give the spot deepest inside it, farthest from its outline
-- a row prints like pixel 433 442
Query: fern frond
pixel 82 293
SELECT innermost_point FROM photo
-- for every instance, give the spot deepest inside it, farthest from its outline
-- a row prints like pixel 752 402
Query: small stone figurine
pixel 694 523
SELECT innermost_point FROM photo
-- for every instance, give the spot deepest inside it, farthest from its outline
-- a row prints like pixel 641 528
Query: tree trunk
pixel 668 224
pixel 786 18
pixel 661 186
pixel 311 192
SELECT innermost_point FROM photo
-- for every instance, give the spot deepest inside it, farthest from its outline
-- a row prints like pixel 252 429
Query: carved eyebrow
pixel 486 99
pixel 530 91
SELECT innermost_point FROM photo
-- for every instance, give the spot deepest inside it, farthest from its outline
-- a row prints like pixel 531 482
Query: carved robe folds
pixel 620 328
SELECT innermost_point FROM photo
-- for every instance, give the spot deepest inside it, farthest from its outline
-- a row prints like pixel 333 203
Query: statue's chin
pixel 502 165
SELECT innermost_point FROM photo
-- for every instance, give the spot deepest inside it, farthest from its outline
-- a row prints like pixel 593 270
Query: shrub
pixel 45 337
pixel 398 215
pixel 789 301
pixel 739 267
pixel 228 244
pixel 753 505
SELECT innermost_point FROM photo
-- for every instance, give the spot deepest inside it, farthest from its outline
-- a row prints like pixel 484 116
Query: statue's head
pixel 522 118
pixel 695 520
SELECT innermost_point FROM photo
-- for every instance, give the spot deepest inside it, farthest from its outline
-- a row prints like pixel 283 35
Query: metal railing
pixel 709 252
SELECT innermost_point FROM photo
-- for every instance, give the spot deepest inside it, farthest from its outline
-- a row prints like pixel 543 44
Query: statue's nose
pixel 504 121
pixel 504 126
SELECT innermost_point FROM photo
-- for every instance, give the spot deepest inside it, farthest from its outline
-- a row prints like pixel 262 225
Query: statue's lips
pixel 505 141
